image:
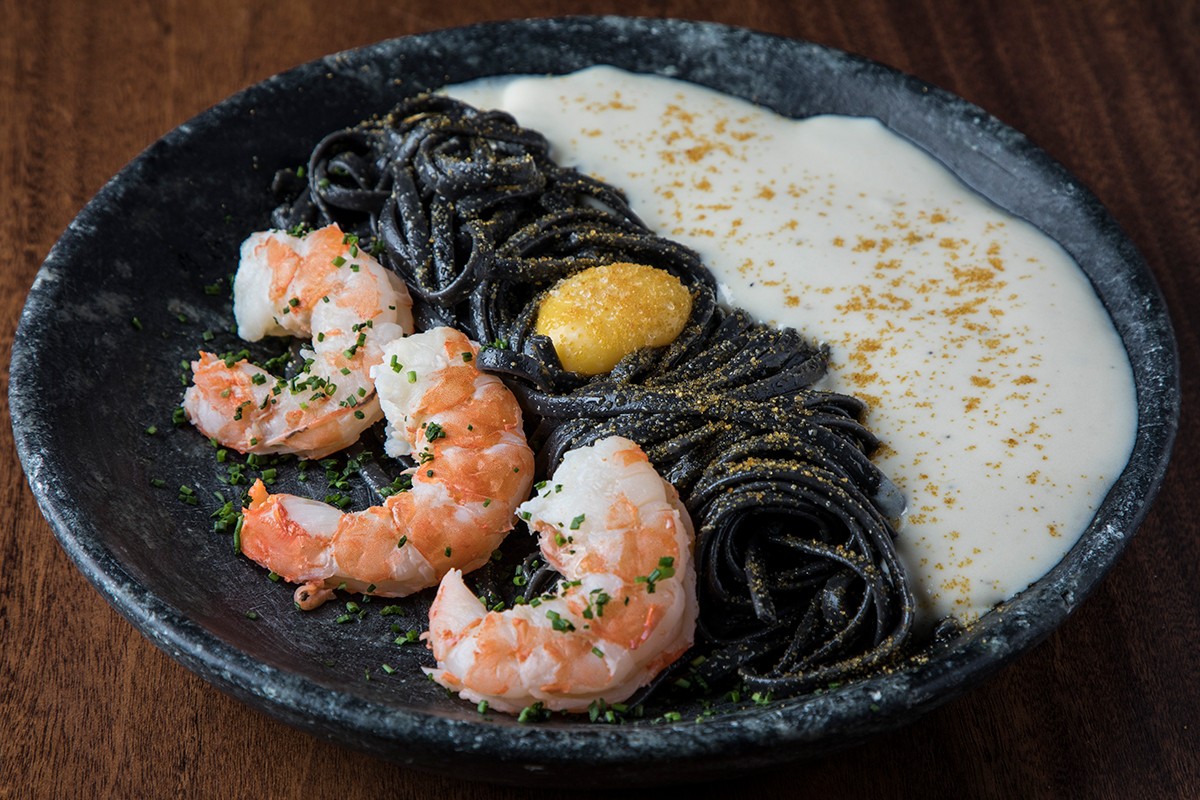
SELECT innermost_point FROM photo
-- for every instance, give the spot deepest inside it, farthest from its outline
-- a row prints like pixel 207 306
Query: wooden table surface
pixel 1107 707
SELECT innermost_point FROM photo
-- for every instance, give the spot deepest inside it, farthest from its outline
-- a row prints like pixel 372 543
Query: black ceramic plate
pixel 87 381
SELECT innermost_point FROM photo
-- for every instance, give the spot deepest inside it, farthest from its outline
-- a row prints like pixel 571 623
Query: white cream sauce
pixel 996 380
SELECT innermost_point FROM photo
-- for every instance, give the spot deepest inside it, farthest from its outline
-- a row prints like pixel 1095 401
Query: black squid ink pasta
pixel 799 584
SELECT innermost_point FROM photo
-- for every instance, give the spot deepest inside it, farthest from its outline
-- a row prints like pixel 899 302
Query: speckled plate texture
pixel 86 382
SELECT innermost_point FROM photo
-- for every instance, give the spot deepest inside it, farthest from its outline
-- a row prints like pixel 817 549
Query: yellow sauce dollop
pixel 602 314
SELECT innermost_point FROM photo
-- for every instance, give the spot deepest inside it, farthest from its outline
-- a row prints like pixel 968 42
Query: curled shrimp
pixel 320 287
pixel 464 428
pixel 625 610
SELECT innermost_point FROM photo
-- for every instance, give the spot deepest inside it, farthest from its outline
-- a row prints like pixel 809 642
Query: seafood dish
pixel 797 200
pixel 605 333
pixel 550 308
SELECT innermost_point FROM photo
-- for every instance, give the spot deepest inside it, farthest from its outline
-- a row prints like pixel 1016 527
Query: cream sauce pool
pixel 995 379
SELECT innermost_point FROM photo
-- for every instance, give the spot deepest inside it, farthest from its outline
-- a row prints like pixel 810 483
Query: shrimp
pixel 626 609
pixel 323 287
pixel 474 467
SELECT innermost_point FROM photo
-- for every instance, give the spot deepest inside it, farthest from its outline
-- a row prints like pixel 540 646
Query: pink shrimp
pixel 474 467
pixel 626 609
pixel 321 287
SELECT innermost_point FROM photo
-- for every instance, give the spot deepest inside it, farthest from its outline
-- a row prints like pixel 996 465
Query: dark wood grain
pixel 1107 707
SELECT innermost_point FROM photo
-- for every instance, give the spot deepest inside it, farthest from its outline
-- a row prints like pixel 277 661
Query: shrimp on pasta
pixel 322 287
pixel 626 607
pixel 463 427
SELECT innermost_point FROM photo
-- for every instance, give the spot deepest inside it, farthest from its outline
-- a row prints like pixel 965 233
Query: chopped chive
pixel 532 713
pixel 558 623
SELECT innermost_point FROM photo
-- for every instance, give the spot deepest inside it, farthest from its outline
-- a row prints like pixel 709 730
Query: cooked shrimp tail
pixel 463 427
pixel 321 287
pixel 626 607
